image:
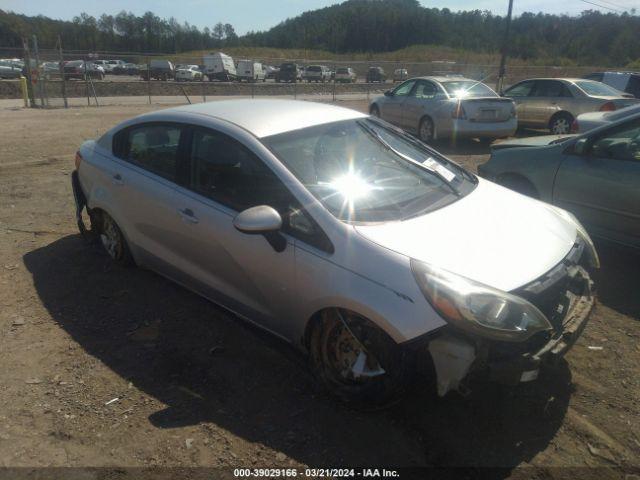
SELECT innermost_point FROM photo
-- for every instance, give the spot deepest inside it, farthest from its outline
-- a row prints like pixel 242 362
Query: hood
pixel 532 141
pixel 493 235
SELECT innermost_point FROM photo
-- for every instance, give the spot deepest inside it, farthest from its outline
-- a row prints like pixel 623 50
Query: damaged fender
pixel 452 359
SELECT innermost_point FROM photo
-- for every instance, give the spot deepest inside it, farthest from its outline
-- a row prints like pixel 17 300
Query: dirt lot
pixel 105 366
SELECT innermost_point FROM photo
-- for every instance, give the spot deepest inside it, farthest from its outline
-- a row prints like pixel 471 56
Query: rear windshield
pixel 597 89
pixel 287 66
pixel 314 68
pixel 468 88
pixel 75 63
pixel 342 70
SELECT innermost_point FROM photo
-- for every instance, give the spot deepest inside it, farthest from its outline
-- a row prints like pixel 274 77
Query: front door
pixel 240 271
pixel 602 186
pixel 393 105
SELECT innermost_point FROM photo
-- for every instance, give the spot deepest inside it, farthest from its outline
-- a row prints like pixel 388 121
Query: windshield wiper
pixel 434 172
pixel 468 175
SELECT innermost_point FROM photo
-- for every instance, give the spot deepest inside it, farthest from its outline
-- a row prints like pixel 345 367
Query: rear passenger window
pixel 154 148
pixel 550 88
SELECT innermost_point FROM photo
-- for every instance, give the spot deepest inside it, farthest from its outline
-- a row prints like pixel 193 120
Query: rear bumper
pixel 466 128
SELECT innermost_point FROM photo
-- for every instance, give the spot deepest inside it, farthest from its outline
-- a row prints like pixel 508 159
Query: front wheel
pixel 375 111
pixel 356 361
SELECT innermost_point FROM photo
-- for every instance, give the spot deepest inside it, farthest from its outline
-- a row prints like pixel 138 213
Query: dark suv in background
pixel 628 82
pixel 289 72
pixel 376 74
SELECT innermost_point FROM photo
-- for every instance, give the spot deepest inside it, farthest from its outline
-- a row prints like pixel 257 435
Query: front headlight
pixel 594 260
pixel 478 308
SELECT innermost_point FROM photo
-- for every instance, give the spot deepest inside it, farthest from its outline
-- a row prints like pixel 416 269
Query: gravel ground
pixel 103 366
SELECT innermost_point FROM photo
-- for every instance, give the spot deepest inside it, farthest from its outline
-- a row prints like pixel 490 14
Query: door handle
pixel 117 179
pixel 188 215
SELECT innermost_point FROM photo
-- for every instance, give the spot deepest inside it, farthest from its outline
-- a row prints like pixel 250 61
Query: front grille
pixel 555 291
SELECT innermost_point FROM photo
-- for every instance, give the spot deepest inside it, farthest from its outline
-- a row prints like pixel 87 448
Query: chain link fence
pixel 58 79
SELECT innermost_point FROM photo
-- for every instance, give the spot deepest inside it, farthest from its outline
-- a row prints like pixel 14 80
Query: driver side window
pixel 621 143
pixel 404 89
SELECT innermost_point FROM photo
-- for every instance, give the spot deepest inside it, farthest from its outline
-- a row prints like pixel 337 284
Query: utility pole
pixel 61 66
pixel 505 49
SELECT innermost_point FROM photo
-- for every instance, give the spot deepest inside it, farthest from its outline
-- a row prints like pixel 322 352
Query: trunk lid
pixel 488 109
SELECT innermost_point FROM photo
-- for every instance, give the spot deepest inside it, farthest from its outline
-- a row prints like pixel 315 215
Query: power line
pixel 614 4
pixel 602 6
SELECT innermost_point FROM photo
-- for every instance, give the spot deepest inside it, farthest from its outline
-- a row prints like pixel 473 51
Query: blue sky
pixel 247 15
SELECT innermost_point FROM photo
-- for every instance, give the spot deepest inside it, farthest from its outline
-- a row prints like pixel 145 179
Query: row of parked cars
pixel 452 106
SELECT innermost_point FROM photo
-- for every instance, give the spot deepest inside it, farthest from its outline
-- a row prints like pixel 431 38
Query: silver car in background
pixel 554 103
pixel 344 236
pixel 591 120
pixel 447 107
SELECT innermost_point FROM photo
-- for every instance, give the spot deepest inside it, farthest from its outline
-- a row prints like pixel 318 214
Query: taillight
pixel 78 159
pixel 459 112
pixel 575 127
pixel 608 107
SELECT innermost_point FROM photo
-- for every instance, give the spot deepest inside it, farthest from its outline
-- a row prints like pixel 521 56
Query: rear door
pixel 240 271
pixel 144 178
pixel 392 107
pixel 602 186
pixel 547 98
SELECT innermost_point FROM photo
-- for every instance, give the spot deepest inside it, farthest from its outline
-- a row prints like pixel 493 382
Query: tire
pixel 518 184
pixel 113 241
pixel 339 341
pixel 426 130
pixel 375 111
pixel 560 124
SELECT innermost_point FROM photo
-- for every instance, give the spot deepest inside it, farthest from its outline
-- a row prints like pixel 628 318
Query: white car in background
pixel 589 121
pixel 189 73
pixel 344 236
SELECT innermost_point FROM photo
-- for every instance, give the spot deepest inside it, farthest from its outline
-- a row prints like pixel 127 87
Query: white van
pixel 218 66
pixel 250 71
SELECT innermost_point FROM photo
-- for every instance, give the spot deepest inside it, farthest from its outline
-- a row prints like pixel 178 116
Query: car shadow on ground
pixel 208 366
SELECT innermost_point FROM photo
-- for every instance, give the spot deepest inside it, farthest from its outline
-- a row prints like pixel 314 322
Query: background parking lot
pixel 105 366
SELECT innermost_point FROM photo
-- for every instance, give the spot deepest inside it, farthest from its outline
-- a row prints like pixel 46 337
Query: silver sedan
pixel 444 107
pixel 554 103
pixel 343 235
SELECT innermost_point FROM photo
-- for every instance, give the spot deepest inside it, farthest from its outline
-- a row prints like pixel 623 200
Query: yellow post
pixel 25 93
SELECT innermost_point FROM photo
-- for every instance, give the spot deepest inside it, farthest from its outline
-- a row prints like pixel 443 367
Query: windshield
pixel 287 66
pixel 468 88
pixel 314 68
pixel 342 70
pixel 598 89
pixel 364 171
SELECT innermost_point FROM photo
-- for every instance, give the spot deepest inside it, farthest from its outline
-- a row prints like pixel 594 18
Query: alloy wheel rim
pixel 426 131
pixel 560 126
pixel 110 238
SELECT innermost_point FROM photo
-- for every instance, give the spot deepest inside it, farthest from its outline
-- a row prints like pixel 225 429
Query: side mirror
pixel 388 93
pixel 580 147
pixel 262 220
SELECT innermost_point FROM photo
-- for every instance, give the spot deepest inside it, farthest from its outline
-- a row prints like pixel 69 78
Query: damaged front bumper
pixel 456 356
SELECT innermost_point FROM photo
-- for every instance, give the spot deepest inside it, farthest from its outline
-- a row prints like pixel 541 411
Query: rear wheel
pixel 356 361
pixel 426 130
pixel 560 124
pixel 113 240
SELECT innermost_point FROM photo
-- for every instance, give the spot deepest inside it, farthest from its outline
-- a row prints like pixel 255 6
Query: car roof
pixel 443 79
pixel 266 117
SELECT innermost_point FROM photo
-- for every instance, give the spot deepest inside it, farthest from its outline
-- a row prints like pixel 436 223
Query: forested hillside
pixel 356 26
